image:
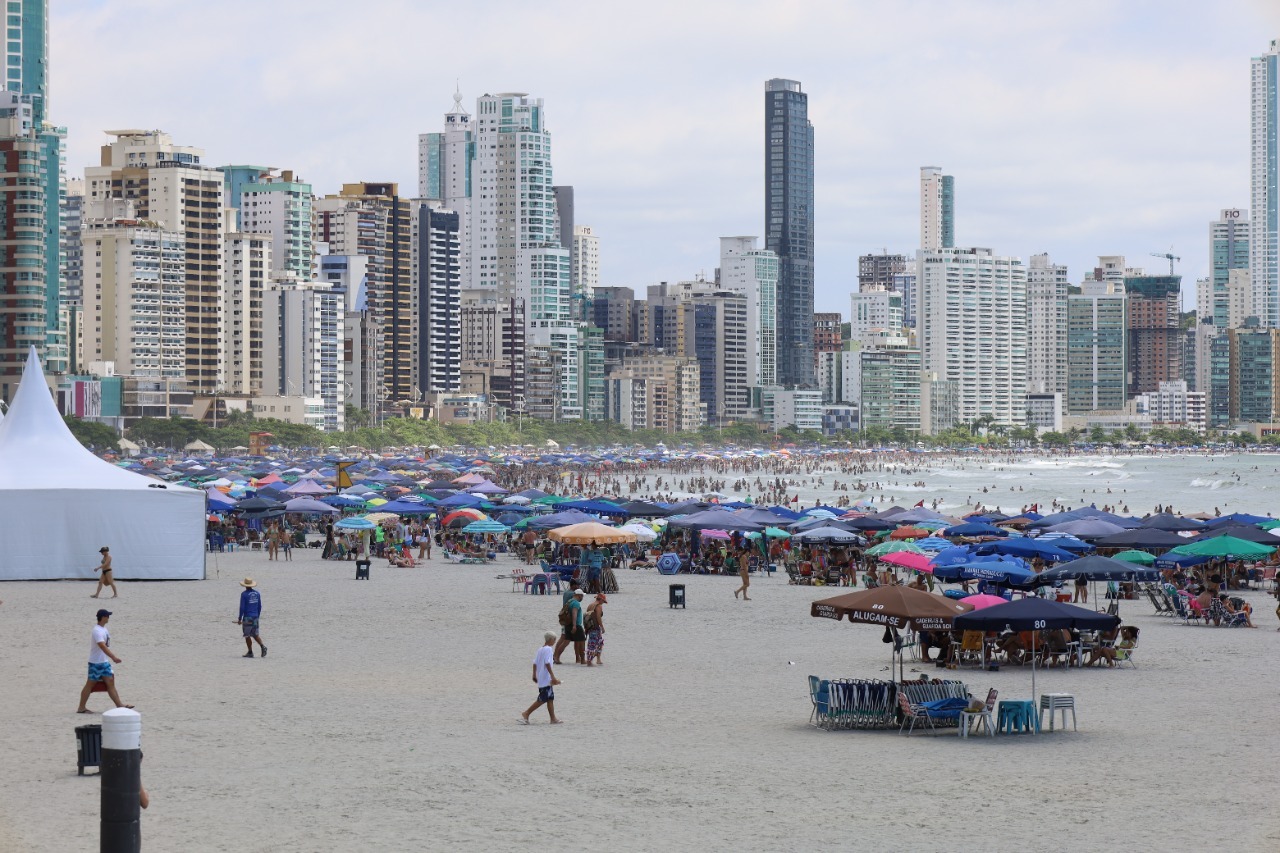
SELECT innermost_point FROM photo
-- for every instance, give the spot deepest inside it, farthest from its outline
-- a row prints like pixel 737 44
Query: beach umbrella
pixel 1225 546
pixel 910 532
pixel 770 533
pixel 713 519
pixel 310 506
pixel 826 536
pixel 485 526
pixel 596 507
pixel 1025 548
pixel 1171 522
pixel 894 607
pixel 1095 568
pixel 1141 558
pixel 996 568
pixel 981 600
pixel 562 519
pixel 590 533
pixel 868 523
pixel 1142 537
pixel 642 533
pixel 1238 518
pixel 890 547
pixel 933 543
pixel 355 523
pixel 1248 533
pixel 909 560
pixel 973 528
pixel 462 517
pixel 1087 528
pixel 1034 614
pixel 643 509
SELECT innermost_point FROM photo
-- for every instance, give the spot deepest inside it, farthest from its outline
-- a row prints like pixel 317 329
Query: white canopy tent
pixel 59 503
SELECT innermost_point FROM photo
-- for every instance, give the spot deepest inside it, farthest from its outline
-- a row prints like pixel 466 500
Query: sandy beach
pixel 384 718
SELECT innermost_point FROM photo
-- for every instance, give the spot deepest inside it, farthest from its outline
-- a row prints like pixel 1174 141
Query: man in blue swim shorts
pixel 100 659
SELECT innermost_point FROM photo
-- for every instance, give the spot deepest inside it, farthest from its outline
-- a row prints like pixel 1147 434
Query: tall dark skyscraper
pixel 788 225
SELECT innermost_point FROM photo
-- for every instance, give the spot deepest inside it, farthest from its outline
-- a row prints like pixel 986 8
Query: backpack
pixel 566 616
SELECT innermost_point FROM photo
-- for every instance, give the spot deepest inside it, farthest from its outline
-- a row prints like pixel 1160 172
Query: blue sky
pixel 1075 128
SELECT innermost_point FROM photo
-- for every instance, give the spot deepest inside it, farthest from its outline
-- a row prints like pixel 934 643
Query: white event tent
pixel 59 503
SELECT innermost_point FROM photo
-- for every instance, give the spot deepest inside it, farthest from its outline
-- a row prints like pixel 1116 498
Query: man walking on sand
pixel 250 611
pixel 106 579
pixel 100 659
pixel 545 678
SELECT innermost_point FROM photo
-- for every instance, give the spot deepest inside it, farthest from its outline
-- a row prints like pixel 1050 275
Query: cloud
pixel 1077 128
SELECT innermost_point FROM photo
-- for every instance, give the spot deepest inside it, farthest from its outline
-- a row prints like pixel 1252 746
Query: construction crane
pixel 1169 256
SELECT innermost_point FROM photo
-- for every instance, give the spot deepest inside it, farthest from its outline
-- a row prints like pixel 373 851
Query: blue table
pixel 1017 716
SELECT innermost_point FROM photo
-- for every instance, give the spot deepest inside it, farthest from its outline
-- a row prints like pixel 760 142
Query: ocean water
pixel 1129 484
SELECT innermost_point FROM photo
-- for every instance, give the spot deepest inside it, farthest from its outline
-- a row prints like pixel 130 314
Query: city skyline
pixel 1122 131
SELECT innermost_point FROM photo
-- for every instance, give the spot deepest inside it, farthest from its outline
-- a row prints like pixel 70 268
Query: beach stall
pixel 875 704
pixel 61 503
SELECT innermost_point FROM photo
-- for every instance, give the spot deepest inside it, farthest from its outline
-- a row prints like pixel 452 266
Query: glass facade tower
pixel 789 225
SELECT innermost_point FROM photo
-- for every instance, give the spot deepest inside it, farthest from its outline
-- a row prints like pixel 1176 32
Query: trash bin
pixel 89 747
pixel 362 570
pixel 675 595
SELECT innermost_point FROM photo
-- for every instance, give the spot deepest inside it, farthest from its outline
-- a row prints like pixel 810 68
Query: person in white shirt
pixel 100 659
pixel 546 679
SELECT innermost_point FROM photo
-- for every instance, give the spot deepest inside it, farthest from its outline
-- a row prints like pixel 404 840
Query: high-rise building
pixel 1097 358
pixel 1228 250
pixel 517 243
pixel 1264 195
pixel 135 299
pixel 1254 378
pixel 754 273
pixel 302 355
pixel 565 214
pixel 698 320
pixel 246 265
pixel 905 283
pixel 584 274
pixel 27 80
pixel 1047 286
pixel 438 295
pixel 876 272
pixel 789 224
pixel 973 330
pixel 1154 334
pixel 658 392
pixel 173 190
pixel 444 174
pixel 613 311
pixel 69 243
pixel 890 388
pixel 279 205
pixel 362 339
pixel 826 332
pixel 937 209
pixel 24 304
pixel 874 310
pixel 374 221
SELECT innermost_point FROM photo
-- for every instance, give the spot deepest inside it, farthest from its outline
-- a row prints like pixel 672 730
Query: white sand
pixel 384 719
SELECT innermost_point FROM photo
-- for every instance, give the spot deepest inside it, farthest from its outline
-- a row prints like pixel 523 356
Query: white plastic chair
pixel 968 719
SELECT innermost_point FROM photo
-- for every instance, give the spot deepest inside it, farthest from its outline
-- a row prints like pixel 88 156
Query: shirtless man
pixel 106 579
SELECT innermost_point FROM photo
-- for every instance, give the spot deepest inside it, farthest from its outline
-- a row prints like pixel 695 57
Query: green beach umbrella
pixel 1142 558
pixel 772 533
pixel 1225 546
pixel 891 547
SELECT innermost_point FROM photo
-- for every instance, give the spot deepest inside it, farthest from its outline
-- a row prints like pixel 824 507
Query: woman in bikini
pixel 106 579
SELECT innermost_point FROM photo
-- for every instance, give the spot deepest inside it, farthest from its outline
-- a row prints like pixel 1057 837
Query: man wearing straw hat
pixel 250 612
